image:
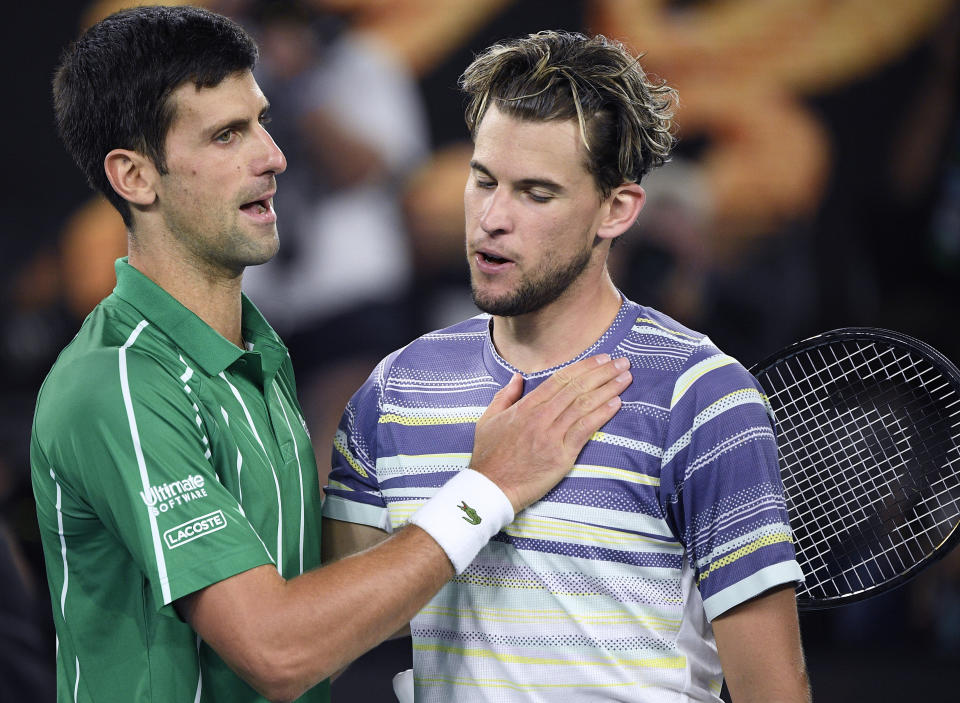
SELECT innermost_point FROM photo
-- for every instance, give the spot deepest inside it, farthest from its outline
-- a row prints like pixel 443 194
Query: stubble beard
pixel 536 290
pixel 231 249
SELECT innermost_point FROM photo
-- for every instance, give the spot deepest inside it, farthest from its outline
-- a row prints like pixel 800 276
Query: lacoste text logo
pixel 194 529
pixel 470 514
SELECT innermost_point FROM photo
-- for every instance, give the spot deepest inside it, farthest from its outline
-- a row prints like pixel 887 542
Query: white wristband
pixel 463 515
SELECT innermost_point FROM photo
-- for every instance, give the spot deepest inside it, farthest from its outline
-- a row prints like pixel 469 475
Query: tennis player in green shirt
pixel 177 492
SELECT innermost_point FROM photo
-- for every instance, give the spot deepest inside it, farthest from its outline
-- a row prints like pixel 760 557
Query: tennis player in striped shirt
pixel 663 562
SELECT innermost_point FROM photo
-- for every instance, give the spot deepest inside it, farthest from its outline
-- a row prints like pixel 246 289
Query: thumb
pixel 506 396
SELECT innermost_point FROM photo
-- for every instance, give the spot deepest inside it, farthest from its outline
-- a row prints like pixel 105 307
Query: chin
pixel 262 253
pixel 501 306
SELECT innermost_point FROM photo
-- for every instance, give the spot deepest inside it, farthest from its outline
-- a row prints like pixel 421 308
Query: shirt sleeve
pixel 722 488
pixel 353 491
pixel 127 445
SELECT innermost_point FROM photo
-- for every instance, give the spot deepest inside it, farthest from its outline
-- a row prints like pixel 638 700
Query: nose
pixel 495 215
pixel 273 161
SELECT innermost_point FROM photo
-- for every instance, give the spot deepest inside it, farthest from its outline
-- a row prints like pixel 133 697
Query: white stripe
pixel 459 411
pixel 457 335
pixel 410 464
pixel 727 445
pixel 63 548
pixel 296 451
pixel 653 350
pixel 447 383
pixel 239 484
pixel 639 404
pixel 667 334
pixel 627 443
pixel 196 698
pixel 76 684
pixel 226 419
pixel 441 386
pixel 745 396
pixel 276 482
pixel 141 463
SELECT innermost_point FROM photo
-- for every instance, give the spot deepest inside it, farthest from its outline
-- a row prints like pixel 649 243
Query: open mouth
pixel 492 264
pixel 260 211
pixel 257 207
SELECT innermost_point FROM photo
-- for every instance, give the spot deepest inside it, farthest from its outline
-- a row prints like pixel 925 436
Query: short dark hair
pixel 624 117
pixel 112 87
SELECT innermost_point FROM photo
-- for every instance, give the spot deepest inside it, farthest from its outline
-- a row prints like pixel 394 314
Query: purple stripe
pixel 594 492
pixel 582 551
pixel 355 496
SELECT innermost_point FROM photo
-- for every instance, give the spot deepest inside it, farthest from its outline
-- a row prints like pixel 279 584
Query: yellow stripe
pixel 612 472
pixel 666 329
pixel 505 683
pixel 345 453
pixel 532 527
pixel 764 541
pixel 417 421
pixel 652 663
pixel 705 370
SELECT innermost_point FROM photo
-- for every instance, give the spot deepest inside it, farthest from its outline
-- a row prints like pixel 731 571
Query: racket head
pixel 868 435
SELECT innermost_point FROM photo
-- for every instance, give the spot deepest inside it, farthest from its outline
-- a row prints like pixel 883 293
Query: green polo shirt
pixel 164 459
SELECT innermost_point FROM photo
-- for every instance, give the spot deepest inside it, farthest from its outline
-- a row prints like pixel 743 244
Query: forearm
pixel 361 600
pixel 293 634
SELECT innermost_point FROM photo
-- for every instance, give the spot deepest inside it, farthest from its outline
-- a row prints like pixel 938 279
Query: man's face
pixel 217 195
pixel 532 213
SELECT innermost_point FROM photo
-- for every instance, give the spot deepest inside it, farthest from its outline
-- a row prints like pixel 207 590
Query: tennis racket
pixel 868 433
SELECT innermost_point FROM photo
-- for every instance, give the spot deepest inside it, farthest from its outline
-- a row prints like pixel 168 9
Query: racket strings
pixel 865 461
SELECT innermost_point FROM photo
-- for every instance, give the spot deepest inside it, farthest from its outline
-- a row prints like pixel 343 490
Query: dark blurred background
pixel 816 184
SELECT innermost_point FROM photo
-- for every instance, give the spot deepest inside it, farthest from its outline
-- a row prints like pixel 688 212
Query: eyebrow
pixel 523 183
pixel 240 122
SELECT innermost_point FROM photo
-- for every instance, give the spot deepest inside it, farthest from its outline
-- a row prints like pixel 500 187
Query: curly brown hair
pixel 624 117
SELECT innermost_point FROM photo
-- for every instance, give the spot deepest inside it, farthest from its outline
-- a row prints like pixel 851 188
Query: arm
pixel 759 646
pixel 283 637
pixel 341 539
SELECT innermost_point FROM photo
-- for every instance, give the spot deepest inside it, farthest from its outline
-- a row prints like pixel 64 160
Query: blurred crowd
pixel 815 184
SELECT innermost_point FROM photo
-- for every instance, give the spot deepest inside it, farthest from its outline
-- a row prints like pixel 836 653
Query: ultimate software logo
pixel 162 498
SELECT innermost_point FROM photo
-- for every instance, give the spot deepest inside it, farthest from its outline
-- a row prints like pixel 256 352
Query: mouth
pixel 491 258
pixel 260 210
pixel 490 262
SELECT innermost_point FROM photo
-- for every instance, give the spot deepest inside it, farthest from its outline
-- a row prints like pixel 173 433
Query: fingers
pixel 581 388
pixel 590 413
pixel 544 431
pixel 506 396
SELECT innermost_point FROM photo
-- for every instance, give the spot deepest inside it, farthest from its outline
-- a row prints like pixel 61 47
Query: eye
pixel 539 197
pixel 485 183
pixel 265 119
pixel 224 137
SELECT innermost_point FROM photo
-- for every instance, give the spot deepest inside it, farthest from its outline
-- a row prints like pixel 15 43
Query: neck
pixel 213 296
pixel 560 331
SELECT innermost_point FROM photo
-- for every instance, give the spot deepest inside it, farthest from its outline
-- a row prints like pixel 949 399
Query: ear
pixel 132 175
pixel 622 207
